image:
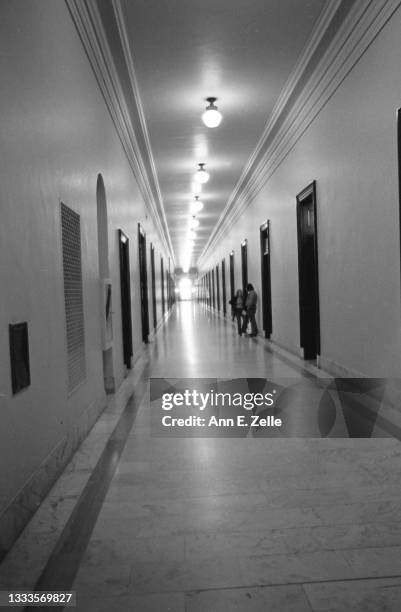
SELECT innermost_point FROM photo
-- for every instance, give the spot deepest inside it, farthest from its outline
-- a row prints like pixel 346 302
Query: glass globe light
pixel 201 176
pixel 211 117
pixel 191 234
pixel 196 206
pixel 194 223
pixel 196 188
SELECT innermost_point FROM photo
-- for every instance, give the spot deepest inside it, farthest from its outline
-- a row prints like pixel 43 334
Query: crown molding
pixel 121 24
pixel 131 129
pixel 294 79
pixel 289 121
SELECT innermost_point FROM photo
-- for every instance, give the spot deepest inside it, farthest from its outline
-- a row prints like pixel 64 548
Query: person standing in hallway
pixel 237 303
pixel 250 308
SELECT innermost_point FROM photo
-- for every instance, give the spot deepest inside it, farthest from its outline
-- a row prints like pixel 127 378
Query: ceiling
pixel 240 51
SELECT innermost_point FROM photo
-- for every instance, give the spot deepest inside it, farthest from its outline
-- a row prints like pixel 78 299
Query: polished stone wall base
pixel 20 510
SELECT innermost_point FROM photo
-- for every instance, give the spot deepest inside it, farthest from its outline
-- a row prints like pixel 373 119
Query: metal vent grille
pixel 73 297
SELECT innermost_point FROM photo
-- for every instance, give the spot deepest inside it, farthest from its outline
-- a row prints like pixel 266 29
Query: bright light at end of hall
pixel 201 176
pixel 212 116
pixel 185 287
pixel 196 206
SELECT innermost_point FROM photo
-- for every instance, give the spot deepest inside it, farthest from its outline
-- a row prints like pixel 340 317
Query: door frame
pixel 266 279
pixel 168 280
pixel 162 284
pixel 305 194
pixel 153 279
pixel 399 173
pixel 125 289
pixel 244 264
pixel 223 285
pixel 232 275
pixel 143 283
pixel 218 287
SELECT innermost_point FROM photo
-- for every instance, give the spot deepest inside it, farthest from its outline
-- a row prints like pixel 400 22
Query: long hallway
pixel 163 163
pixel 144 523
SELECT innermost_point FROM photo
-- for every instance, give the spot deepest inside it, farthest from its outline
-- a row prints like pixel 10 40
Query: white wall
pixel 56 136
pixel 351 151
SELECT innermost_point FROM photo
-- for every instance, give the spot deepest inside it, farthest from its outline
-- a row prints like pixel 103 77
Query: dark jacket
pixel 237 302
pixel 251 300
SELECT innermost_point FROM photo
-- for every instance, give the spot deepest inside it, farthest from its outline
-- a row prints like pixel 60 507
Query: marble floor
pixel 218 524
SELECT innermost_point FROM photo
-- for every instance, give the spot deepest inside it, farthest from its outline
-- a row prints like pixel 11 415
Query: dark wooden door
pixel 232 276
pixel 244 263
pixel 125 285
pixel 143 282
pixel 162 283
pixel 399 170
pixel 218 287
pixel 266 279
pixel 169 284
pixel 223 285
pixel 308 272
pixel 153 273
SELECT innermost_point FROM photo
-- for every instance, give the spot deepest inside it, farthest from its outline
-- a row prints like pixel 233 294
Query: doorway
pixel 399 169
pixel 143 283
pixel 308 272
pixel 153 275
pixel 244 264
pixel 232 277
pixel 169 286
pixel 266 279
pixel 162 283
pixel 218 287
pixel 123 243
pixel 106 322
pixel 223 285
pixel 213 291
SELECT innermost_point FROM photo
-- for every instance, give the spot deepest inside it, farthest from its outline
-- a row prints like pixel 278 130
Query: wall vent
pixel 73 296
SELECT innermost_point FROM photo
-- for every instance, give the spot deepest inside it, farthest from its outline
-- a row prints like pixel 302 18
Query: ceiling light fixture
pixel 211 117
pixel 196 188
pixel 201 176
pixel 192 235
pixel 194 223
pixel 196 206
